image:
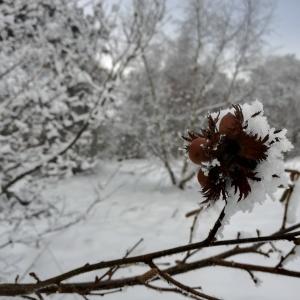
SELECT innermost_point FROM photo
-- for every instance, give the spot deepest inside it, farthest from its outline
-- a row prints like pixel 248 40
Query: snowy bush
pixel 49 70
pixel 61 70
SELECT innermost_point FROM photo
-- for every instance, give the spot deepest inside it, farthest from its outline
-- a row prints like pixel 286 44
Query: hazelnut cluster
pixel 227 155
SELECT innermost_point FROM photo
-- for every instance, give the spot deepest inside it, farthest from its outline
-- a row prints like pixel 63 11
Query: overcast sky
pixel 285 37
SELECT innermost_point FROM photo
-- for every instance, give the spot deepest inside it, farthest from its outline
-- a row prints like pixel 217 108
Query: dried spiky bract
pixel 229 152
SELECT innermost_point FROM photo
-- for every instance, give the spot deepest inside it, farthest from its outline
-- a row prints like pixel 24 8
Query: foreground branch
pixel 55 285
pixel 86 288
pixel 105 282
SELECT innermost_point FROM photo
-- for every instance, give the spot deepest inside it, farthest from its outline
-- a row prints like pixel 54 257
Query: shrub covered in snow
pixel 61 69
pixel 49 67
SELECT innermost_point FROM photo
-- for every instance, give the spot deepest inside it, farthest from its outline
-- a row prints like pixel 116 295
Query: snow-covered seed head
pixel 230 153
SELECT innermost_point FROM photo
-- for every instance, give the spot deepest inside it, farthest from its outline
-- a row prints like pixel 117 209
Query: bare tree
pixel 181 79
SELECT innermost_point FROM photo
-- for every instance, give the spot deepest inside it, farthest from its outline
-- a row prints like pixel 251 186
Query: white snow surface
pixel 137 201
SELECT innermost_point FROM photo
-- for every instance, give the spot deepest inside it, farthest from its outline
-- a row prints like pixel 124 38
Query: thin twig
pixel 192 231
pixel 114 269
pixel 180 285
pixel 286 256
pixel 257 268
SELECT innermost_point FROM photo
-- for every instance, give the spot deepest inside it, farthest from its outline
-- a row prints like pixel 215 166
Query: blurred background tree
pixel 205 64
pixel 61 70
pixel 276 81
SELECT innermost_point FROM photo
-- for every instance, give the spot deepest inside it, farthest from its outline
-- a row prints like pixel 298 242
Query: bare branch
pixel 257 268
pixel 169 279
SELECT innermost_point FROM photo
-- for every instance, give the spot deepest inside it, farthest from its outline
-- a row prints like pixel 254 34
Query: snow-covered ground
pixel 135 200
